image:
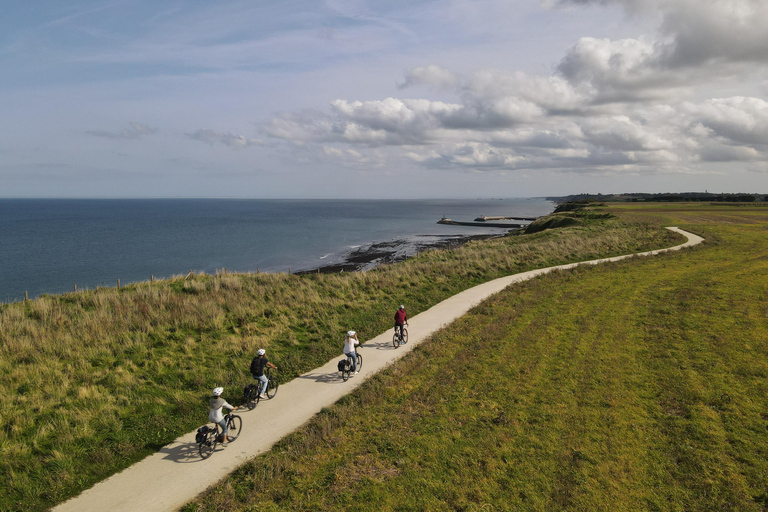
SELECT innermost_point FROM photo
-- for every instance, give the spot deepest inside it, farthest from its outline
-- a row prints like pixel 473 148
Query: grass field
pixel 638 385
pixel 96 380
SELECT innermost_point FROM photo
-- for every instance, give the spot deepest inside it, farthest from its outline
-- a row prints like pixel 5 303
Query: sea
pixel 51 246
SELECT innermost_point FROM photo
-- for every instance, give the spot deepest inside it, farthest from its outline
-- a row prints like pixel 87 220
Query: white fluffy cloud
pixel 610 104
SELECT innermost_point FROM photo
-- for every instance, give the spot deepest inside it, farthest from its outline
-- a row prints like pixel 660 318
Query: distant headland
pixel 662 198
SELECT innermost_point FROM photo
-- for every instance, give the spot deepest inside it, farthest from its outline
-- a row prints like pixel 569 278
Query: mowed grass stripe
pixel 637 385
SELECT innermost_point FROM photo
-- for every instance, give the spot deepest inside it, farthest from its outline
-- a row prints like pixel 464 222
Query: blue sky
pixel 350 98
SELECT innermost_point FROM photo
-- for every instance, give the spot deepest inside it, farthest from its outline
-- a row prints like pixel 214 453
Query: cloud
pixel 228 139
pixel 696 41
pixel 620 104
pixel 738 120
pixel 134 131
pixel 434 76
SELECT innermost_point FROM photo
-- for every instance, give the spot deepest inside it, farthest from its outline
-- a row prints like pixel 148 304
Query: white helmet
pixel 350 334
pixel 218 391
pixel 261 352
pixel 402 307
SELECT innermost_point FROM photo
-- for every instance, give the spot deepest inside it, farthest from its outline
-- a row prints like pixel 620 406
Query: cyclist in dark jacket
pixel 257 370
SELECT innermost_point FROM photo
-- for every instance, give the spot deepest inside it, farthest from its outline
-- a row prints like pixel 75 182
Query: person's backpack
pixel 255 365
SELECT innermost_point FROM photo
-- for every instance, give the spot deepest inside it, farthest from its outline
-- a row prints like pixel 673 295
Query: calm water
pixel 49 246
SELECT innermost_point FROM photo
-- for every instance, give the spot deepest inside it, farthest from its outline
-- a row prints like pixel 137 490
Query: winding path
pixel 172 477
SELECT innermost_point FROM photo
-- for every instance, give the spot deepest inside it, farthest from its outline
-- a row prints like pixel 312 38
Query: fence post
pixel 75 288
pixel 118 283
pixel 26 296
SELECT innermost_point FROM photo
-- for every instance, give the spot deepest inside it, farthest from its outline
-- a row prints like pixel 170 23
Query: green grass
pixel 637 385
pixel 96 380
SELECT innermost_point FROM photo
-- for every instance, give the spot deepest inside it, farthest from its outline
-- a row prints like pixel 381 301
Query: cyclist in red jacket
pixel 401 319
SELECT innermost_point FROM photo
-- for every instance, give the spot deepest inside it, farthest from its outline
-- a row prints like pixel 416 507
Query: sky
pixel 398 99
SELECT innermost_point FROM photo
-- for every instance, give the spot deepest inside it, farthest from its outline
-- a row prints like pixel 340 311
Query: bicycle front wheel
pixel 359 362
pixel 234 426
pixel 405 335
pixel 272 387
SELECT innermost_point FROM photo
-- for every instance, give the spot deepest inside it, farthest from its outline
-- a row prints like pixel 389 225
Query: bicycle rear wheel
pixel 272 387
pixel 396 340
pixel 207 447
pixel 234 427
pixel 250 398
pixel 345 373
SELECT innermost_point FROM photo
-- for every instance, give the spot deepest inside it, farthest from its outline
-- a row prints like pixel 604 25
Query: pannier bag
pixel 201 433
pixel 249 391
pixel 343 365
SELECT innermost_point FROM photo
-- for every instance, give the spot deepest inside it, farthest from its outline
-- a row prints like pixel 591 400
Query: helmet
pixel 261 352
pixel 350 333
pixel 218 391
pixel 402 307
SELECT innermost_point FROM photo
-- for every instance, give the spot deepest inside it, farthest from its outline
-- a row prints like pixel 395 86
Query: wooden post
pixel 75 287
pixel 118 283
pixel 152 278
pixel 26 297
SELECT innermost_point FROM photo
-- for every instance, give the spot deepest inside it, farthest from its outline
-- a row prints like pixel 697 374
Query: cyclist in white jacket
pixel 349 348
pixel 217 404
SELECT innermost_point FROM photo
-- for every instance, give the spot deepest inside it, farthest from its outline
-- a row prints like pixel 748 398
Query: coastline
pixel 371 255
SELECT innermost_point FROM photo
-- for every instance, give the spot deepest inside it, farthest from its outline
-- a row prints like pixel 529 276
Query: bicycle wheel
pixel 250 399
pixel 346 371
pixel 272 387
pixel 405 335
pixel 359 362
pixel 234 427
pixel 396 339
pixel 207 447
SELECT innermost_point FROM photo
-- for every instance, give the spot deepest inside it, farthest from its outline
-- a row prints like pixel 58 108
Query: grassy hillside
pixel 638 385
pixel 96 380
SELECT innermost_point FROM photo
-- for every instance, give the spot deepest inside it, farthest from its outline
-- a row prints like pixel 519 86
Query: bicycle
pixel 208 437
pixel 345 366
pixel 400 339
pixel 251 393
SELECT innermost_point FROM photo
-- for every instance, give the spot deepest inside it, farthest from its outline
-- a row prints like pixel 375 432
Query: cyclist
pixel 401 319
pixel 257 370
pixel 215 416
pixel 349 349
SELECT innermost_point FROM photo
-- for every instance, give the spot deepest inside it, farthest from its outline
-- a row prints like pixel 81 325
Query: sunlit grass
pixel 83 374
pixel 640 385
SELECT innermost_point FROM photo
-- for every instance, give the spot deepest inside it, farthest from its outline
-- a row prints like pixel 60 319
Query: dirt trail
pixel 173 476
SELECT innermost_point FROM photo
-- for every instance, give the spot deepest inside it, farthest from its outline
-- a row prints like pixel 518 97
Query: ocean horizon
pixel 49 246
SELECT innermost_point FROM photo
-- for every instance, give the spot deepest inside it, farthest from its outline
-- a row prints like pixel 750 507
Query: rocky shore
pixel 371 255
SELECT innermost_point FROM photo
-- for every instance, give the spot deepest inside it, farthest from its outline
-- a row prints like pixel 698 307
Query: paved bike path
pixel 172 477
